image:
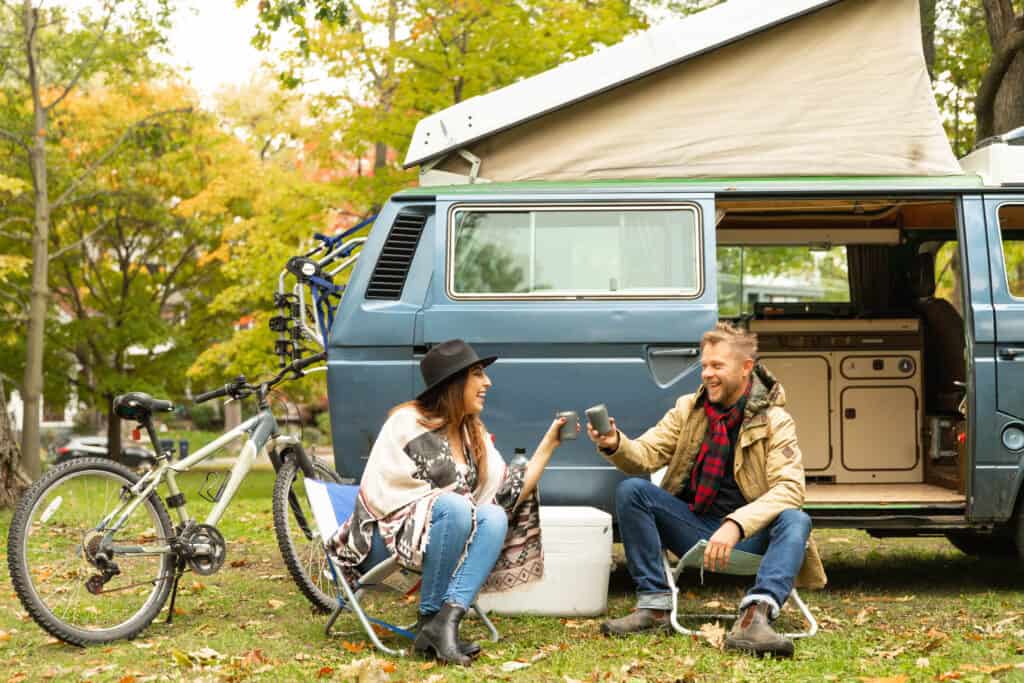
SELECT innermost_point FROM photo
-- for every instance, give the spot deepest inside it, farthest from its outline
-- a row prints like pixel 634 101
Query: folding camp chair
pixel 740 563
pixel 332 504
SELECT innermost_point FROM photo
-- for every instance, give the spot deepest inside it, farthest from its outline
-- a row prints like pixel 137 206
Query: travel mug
pixel 568 430
pixel 598 418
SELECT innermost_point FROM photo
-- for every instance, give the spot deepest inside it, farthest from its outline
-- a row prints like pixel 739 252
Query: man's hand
pixel 720 545
pixel 606 442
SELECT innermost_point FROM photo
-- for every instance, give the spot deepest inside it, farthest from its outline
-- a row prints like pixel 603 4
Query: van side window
pixel 1011 223
pixel 545 253
pixel 751 274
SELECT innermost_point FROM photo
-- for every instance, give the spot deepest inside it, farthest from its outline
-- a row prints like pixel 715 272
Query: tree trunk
pixel 12 481
pixel 928 34
pixel 999 106
pixel 38 300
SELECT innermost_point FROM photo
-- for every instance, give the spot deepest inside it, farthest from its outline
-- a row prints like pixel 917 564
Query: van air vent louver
pixel 392 267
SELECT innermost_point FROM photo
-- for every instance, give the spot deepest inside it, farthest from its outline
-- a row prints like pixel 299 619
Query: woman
pixel 437 494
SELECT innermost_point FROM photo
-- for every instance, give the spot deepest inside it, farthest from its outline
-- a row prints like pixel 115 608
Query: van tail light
pixel 961 437
pixel 136 434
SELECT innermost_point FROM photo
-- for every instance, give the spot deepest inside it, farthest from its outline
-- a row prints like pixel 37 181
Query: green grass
pixel 911 608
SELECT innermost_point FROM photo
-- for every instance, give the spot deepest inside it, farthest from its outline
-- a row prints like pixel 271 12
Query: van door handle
pixel 1010 353
pixel 674 353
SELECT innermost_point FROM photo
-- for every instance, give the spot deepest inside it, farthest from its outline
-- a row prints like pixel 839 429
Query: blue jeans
pixel 451 523
pixel 651 518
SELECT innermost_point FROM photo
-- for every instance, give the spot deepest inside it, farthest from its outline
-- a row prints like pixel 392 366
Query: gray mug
pixel 598 418
pixel 572 421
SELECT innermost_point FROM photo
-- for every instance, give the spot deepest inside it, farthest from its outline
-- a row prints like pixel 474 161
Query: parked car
pixel 81 446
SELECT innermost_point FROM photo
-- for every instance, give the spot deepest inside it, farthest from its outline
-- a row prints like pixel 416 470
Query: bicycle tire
pixel 306 565
pixel 21 566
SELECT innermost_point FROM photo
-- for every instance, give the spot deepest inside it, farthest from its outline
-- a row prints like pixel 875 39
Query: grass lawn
pixel 895 610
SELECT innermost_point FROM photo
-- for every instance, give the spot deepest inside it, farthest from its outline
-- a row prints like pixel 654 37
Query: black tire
pixel 980 545
pixel 301 547
pixel 73 510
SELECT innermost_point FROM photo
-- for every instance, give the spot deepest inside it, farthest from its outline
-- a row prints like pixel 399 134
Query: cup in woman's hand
pixel 597 416
pixel 572 423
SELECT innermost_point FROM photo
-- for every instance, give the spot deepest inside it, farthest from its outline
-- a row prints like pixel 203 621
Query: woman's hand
pixel 552 437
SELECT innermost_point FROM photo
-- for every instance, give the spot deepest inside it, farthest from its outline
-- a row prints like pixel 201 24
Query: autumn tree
pixel 46 55
pixel 134 299
pixel 999 106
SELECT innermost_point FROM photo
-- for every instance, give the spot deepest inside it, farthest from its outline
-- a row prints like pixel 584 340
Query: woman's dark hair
pixel 446 405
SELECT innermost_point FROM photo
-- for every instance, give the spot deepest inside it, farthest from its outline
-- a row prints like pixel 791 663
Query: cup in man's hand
pixel 572 423
pixel 597 416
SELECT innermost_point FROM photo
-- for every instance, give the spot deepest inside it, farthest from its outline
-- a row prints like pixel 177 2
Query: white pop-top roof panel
pixel 633 58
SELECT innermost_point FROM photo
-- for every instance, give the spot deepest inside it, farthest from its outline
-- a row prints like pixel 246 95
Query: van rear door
pixel 585 301
pixel 997 471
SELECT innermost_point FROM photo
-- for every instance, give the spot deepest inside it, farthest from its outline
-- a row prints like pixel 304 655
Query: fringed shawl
pixel 398 490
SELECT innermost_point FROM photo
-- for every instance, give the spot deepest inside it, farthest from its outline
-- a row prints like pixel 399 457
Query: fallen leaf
pixel 236 564
pixel 368 670
pixel 949 676
pixel 198 587
pixel 204 654
pixel 509 667
pixel 862 617
pixel 427 666
pixel 324 672
pixel 922 663
pixel 715 634
pixel 713 604
pixel 5 636
pixel 354 648
pixel 890 679
pixel 128 679
pixel 302 657
pixel 275 604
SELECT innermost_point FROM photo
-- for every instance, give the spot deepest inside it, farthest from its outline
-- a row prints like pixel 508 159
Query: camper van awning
pixel 746 88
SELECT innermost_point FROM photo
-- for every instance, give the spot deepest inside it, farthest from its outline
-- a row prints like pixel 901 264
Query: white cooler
pixel 577 544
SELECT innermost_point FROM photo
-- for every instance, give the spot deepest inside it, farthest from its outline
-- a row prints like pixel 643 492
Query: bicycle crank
pixel 203 547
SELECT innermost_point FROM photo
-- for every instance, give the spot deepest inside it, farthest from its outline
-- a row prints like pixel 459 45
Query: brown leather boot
pixel 753 632
pixel 639 620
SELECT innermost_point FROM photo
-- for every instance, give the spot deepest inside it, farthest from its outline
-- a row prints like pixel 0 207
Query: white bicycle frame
pixel 257 431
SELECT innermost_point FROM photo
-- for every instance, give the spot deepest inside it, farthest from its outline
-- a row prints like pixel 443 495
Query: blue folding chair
pixel 332 504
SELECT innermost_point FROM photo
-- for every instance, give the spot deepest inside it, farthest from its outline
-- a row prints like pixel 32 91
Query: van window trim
pixel 1002 248
pixel 564 295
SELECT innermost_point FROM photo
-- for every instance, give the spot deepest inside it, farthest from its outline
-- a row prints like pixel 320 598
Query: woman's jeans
pixel 451 523
pixel 651 518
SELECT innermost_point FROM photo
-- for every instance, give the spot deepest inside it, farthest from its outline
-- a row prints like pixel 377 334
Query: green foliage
pixel 205 416
pixel 962 53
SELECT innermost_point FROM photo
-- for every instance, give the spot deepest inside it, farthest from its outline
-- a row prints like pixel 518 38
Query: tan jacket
pixel 767 465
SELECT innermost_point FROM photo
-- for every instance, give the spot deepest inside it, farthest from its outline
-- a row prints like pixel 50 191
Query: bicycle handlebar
pixel 240 388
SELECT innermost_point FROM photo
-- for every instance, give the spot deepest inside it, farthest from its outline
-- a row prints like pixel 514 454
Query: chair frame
pixel 674 572
pixel 348 597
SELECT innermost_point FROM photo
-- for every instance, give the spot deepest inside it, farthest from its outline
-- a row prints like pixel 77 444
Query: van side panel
pixel 998 471
pixel 370 363
pixel 636 356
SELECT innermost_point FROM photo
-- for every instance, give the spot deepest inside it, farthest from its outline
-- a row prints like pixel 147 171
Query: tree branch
pixel 75 245
pixel 63 198
pixel 8 135
pixel 86 61
pixel 1003 55
pixel 12 236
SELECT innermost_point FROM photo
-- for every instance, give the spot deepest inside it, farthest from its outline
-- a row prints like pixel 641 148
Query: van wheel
pixel 983 545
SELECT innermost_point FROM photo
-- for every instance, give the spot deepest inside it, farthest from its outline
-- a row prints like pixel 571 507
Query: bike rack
pixel 301 320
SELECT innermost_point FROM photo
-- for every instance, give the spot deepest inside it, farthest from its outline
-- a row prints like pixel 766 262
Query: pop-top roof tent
pixel 745 89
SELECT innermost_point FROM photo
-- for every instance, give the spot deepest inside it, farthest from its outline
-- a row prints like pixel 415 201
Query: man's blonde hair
pixel 742 341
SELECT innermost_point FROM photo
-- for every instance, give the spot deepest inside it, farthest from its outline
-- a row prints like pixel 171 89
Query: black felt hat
pixel 446 360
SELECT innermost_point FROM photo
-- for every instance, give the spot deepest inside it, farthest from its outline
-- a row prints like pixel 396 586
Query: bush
pixel 323 423
pixel 206 417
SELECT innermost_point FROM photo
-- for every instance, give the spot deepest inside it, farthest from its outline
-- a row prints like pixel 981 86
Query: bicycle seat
pixel 139 406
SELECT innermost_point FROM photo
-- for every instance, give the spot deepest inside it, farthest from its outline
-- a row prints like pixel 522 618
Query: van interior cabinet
pixel 854 390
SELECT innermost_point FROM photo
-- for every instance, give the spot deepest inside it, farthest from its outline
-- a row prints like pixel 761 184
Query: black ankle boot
pixel 439 637
pixel 467 648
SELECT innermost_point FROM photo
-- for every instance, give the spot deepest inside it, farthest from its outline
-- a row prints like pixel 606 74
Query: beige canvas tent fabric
pixel 842 91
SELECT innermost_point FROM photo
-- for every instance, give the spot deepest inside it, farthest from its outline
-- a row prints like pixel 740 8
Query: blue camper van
pixel 589 224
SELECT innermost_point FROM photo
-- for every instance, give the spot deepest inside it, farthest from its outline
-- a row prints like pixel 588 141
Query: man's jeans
pixel 651 518
pixel 451 523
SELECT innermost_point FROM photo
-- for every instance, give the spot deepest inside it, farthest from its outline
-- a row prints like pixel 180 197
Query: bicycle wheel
pixel 52 554
pixel 298 537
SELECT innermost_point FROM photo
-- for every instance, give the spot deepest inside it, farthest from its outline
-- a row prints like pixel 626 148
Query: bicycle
pixel 93 554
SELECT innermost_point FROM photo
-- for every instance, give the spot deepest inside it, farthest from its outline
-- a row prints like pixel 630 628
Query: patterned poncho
pixel 398 490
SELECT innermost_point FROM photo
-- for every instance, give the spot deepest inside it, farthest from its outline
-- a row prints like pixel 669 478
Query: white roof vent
pixel 999 160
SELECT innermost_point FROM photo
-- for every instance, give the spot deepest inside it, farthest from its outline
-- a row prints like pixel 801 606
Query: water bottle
pixel 519 458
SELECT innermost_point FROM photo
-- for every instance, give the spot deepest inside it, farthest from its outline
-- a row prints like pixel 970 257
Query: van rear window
pixel 548 253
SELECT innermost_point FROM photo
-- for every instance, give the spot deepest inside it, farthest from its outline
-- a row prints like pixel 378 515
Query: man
pixel 734 477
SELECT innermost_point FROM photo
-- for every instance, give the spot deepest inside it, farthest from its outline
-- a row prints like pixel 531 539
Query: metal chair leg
pixel 495 636
pixel 674 616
